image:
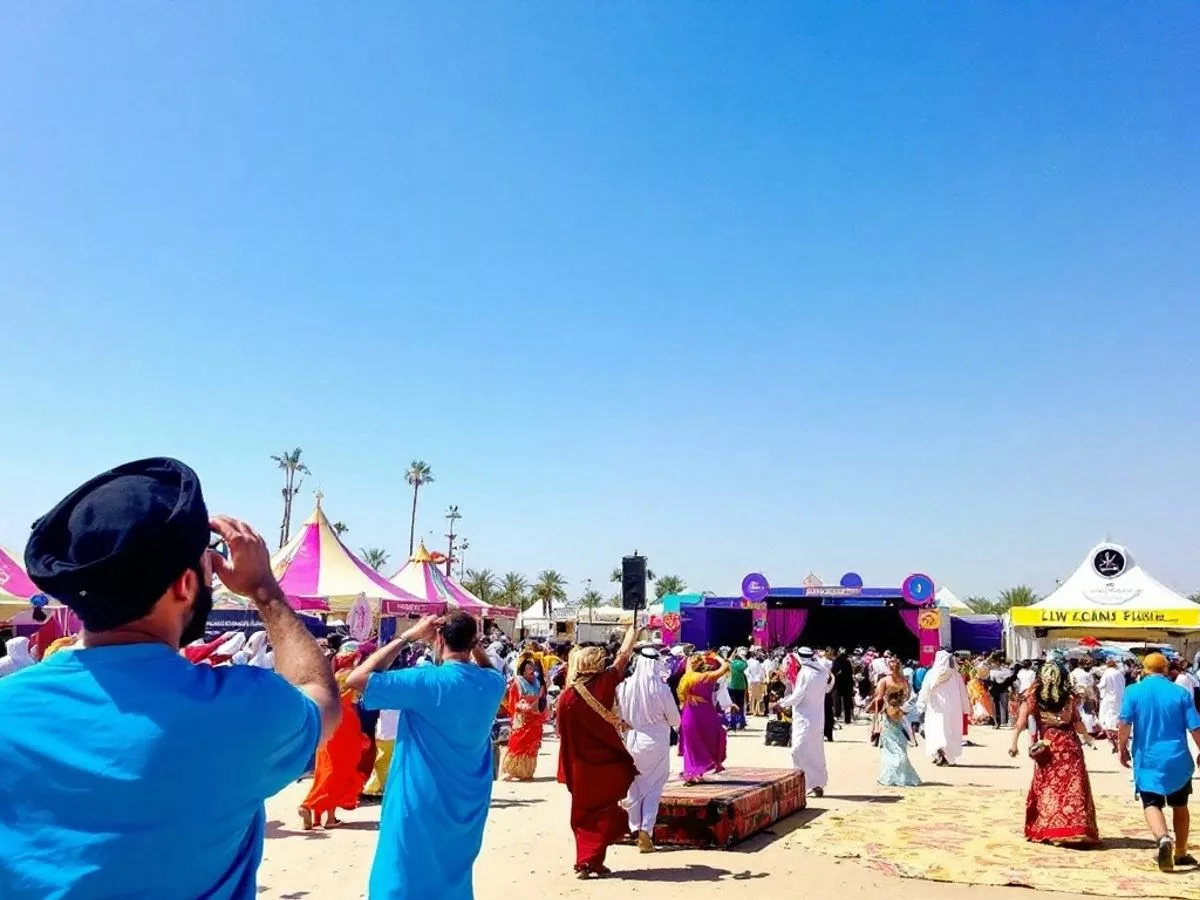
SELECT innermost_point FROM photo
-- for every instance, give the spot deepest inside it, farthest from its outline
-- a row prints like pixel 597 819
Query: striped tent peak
pixel 14 582
pixel 421 576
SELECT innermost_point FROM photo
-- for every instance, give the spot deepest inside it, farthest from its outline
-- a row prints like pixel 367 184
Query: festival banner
pixel 1032 617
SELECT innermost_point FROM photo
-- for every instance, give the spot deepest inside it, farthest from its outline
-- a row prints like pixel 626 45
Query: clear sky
pixel 746 286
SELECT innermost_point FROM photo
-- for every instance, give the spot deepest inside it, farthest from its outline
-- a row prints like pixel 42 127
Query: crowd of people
pixel 414 721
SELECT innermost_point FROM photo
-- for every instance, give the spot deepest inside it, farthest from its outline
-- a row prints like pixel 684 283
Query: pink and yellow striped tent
pixel 421 576
pixel 318 572
pixel 15 586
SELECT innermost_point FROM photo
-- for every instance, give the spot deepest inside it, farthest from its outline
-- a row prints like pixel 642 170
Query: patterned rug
pixel 976 837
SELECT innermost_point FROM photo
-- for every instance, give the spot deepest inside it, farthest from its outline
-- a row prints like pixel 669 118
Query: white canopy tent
pixel 1109 596
pixel 946 599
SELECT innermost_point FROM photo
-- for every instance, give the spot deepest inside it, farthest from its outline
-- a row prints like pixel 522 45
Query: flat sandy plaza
pixel 962 828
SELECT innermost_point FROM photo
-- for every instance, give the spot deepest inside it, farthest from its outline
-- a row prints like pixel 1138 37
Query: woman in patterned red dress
pixel 1060 808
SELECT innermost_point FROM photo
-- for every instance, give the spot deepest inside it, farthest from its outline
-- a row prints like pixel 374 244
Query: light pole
pixel 452 516
pixel 462 557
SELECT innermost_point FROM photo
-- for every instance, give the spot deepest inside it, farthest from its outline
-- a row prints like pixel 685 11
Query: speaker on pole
pixel 633 582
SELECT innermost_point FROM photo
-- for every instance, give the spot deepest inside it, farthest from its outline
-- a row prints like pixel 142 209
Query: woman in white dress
pixel 944 702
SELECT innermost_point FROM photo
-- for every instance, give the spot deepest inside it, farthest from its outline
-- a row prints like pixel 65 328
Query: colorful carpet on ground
pixel 976 837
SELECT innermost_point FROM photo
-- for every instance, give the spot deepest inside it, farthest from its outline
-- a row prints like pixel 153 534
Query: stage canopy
pixel 420 577
pixel 318 572
pixel 1108 594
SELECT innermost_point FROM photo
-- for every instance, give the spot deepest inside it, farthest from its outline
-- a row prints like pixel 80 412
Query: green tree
pixel 1021 595
pixel 669 584
pixel 514 591
pixel 590 600
pixel 1195 598
pixel 481 583
pixel 375 557
pixel 291 465
pixel 978 604
pixel 340 528
pixel 549 588
pixel 419 473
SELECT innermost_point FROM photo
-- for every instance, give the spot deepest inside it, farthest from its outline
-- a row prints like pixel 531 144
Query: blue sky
pixel 769 286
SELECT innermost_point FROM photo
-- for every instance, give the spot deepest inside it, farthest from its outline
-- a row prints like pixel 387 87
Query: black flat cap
pixel 113 546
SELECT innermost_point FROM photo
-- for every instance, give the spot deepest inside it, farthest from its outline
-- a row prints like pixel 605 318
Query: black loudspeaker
pixel 633 582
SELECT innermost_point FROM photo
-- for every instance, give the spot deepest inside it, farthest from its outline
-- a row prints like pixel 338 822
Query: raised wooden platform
pixel 727 808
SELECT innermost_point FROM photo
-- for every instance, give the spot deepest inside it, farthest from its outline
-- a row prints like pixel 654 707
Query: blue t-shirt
pixel 1161 714
pixel 440 785
pixel 127 772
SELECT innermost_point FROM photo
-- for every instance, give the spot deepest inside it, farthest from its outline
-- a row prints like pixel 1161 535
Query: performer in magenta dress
pixel 701 734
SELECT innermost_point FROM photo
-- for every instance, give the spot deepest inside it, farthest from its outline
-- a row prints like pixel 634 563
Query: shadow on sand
pixel 686 874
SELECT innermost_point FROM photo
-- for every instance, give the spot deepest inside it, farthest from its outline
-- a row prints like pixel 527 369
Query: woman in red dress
pixel 525 702
pixel 593 762
pixel 1060 808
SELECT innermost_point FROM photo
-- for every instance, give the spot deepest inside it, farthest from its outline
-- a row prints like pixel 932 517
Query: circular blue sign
pixel 918 589
pixel 755 587
pixel 852 580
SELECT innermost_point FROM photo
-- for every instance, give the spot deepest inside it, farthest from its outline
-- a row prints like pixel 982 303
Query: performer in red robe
pixel 593 762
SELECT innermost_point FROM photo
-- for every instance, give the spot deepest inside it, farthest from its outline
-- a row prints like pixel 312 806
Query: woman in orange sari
pixel 525 702
pixel 337 780
pixel 983 708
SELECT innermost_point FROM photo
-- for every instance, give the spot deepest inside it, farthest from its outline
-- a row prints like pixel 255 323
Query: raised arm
pixel 298 659
pixel 621 662
pixel 382 658
pixel 718 674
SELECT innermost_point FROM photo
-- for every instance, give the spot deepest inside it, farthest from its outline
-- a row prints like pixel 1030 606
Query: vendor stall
pixel 1108 596
pixel 422 579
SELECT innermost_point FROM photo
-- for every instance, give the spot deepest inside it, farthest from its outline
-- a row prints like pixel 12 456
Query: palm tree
pixel 482 584
pixel 291 465
pixel 418 474
pixel 1022 595
pixel 669 584
pixel 340 528
pixel 590 600
pixel 375 557
pixel 550 587
pixel 514 591
pixel 1195 598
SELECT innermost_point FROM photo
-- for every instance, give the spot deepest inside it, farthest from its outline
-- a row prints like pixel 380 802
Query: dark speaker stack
pixel 633 582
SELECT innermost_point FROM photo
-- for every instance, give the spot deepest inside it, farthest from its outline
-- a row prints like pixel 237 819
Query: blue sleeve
pixel 1193 717
pixel 1127 707
pixel 401 689
pixel 278 727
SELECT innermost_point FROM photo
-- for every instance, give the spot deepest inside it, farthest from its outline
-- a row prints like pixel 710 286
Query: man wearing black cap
pixel 125 771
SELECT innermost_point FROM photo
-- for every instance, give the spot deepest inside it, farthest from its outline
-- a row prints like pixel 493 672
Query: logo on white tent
pixel 1109 562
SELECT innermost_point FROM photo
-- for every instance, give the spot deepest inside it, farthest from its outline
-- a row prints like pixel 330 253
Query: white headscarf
pixel 642 695
pixel 18 656
pixel 256 652
pixel 234 641
pixel 941 670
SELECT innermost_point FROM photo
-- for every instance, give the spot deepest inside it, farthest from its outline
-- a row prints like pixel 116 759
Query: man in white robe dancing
pixel 647 706
pixel 1112 692
pixel 807 703
pixel 944 701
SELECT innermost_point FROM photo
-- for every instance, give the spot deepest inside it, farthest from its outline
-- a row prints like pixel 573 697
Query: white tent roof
pixel 1124 587
pixel 1110 590
pixel 947 599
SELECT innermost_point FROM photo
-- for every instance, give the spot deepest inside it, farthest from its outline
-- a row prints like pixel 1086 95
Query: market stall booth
pixel 422 578
pixel 1109 596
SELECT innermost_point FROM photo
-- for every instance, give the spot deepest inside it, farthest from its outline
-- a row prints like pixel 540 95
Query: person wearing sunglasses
pixel 133 772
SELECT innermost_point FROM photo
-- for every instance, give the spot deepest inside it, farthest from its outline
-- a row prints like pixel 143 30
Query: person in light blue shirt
pixel 126 771
pixel 1160 715
pixel 440 783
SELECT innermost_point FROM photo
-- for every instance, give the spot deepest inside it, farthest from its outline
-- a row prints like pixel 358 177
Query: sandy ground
pixel 528 845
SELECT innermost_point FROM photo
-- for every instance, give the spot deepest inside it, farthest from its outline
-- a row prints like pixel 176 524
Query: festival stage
pixel 727 808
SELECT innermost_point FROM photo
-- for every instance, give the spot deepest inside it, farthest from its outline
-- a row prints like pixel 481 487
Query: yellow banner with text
pixel 1032 617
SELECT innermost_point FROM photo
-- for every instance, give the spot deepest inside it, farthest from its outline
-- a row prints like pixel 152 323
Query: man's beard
pixel 198 623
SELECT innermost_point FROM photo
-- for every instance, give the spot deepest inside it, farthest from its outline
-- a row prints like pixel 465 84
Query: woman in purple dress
pixel 701 734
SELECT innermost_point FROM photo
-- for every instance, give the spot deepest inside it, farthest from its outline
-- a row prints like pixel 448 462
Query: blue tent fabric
pixel 977 634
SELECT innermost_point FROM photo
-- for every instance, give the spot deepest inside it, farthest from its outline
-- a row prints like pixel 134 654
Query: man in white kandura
pixel 649 709
pixel 807 703
pixel 944 701
pixel 1112 692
